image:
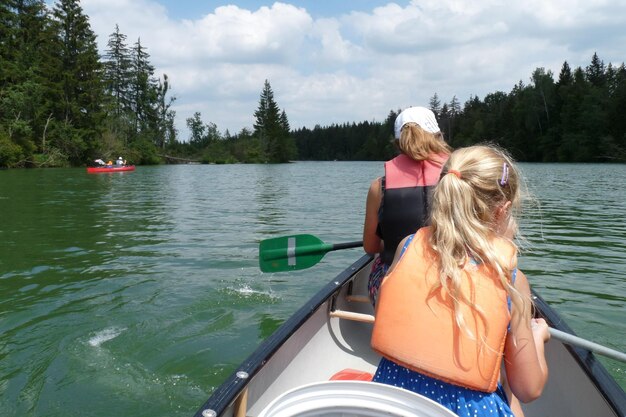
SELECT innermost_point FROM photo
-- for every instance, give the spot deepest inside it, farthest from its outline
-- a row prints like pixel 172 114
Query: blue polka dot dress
pixel 464 402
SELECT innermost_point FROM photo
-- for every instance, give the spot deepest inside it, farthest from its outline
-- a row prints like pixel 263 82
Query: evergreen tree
pixel 286 149
pixel 444 120
pixel 8 43
pixel 284 122
pixel 454 112
pixel 435 105
pixel 616 121
pixel 595 72
pixel 545 93
pixel 79 107
pixel 270 129
pixel 117 72
pixel 565 76
pixel 573 140
pixel 144 91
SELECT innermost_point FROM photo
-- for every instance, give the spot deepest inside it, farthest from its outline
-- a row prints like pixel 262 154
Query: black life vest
pixel 404 208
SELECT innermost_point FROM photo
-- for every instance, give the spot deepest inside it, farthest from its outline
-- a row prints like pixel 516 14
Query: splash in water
pixel 105 335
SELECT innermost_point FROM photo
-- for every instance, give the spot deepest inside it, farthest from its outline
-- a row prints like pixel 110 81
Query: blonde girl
pixel 454 304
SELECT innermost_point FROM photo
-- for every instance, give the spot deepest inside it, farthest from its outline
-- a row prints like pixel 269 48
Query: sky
pixel 339 61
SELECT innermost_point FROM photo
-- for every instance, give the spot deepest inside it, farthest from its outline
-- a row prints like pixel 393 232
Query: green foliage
pixel 70 141
pixel 578 118
pixel 272 129
pixel 61 104
pixel 10 152
pixel 143 152
pixel 217 153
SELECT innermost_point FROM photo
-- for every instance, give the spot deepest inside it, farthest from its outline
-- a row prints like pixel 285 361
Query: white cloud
pixel 359 65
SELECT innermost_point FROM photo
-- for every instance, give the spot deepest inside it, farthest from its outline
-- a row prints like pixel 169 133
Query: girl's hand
pixel 540 329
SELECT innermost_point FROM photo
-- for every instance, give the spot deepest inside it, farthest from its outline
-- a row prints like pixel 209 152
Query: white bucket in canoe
pixel 352 399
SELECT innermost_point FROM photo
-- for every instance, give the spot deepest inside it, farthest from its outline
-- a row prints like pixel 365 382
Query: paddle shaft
pixel 567 338
pixel 347 245
pixel 308 249
pixel 570 339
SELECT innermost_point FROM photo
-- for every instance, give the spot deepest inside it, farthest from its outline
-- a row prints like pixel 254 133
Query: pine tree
pixel 286 145
pixel 8 47
pixel 271 128
pixel 565 76
pixel 117 73
pixel 80 80
pixel 573 141
pixel 595 72
pixel 454 112
pixel 615 116
pixel 267 124
pixel 435 105
pixel 143 91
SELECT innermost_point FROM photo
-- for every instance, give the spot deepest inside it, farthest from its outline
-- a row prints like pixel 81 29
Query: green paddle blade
pixel 288 253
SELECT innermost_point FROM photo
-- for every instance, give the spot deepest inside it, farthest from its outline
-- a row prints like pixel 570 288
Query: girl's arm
pixel 514 403
pixel 524 359
pixel 371 241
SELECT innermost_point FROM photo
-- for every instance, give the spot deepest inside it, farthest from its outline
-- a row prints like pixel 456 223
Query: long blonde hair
pixel 419 144
pixel 475 183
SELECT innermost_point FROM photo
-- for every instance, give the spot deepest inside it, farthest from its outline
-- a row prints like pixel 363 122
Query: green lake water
pixel 138 293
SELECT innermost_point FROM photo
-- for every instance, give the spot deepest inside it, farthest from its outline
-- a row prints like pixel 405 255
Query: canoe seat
pixel 352 399
pixel 350 374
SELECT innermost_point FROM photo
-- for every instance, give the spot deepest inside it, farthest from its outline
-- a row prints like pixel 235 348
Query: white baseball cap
pixel 424 117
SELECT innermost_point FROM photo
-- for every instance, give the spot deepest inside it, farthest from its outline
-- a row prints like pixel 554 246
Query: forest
pixel 64 104
pixel 579 117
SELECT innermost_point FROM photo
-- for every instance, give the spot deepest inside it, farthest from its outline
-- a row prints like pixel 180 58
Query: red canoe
pixel 98 170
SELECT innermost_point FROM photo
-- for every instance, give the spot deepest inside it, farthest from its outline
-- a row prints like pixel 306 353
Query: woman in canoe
pixel 454 306
pixel 397 203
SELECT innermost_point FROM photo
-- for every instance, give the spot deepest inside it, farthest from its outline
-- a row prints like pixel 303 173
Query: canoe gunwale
pixel 227 393
pixel 589 363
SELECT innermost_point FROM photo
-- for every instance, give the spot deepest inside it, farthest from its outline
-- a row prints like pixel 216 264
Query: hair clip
pixel 505 175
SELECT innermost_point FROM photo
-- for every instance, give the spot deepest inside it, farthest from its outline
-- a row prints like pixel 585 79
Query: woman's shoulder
pixel 375 184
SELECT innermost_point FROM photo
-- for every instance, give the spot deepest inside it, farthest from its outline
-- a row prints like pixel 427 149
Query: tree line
pixel 62 104
pixel 579 117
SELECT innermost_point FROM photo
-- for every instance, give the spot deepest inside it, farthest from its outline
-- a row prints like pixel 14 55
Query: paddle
pixel 288 253
pixel 570 339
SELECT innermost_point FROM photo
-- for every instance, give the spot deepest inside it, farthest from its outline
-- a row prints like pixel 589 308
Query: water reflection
pixel 272 196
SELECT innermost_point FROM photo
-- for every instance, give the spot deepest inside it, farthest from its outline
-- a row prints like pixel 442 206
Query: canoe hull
pixel 102 170
pixel 312 346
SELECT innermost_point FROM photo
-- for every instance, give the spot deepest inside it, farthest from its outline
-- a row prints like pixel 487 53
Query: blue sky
pixel 193 9
pixel 342 61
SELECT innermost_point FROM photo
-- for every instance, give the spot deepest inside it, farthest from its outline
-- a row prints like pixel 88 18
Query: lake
pixel 139 293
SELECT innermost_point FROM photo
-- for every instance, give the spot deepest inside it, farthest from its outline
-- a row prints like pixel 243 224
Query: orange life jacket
pixel 416 328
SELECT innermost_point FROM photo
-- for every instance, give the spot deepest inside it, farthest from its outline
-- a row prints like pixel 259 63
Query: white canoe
pixel 332 333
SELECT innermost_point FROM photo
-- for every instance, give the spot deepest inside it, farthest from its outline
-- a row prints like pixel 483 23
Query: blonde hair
pixel 419 144
pixel 475 183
